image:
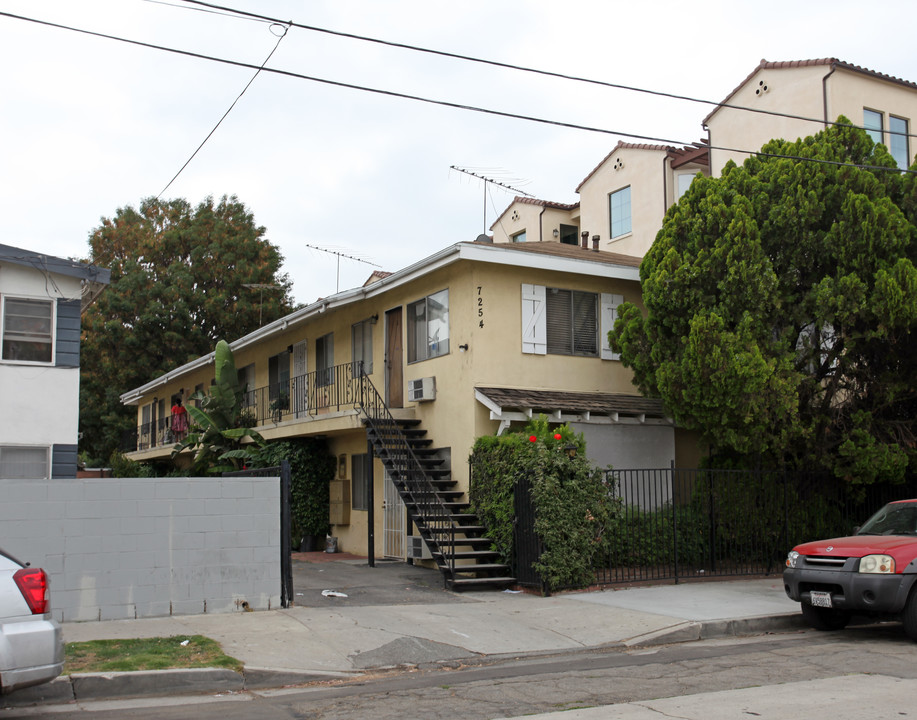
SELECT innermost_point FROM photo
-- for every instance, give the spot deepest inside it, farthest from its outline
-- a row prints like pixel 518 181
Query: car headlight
pixel 877 564
pixel 791 559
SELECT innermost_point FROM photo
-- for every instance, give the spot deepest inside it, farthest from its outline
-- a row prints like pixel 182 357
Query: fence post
pixel 674 517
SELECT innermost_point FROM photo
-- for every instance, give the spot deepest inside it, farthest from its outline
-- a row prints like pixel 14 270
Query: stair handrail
pixel 431 509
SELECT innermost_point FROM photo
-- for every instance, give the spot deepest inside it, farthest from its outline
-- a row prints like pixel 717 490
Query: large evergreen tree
pixel 177 276
pixel 781 309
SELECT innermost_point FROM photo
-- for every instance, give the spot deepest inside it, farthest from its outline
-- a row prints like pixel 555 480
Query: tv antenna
pixel 340 255
pixel 492 182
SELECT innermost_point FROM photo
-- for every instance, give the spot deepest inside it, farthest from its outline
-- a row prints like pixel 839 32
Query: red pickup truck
pixel 872 573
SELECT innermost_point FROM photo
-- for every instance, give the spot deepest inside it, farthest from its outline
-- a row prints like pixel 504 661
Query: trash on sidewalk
pixel 332 593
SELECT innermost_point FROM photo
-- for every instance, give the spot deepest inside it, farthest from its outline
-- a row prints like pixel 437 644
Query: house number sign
pixel 480 304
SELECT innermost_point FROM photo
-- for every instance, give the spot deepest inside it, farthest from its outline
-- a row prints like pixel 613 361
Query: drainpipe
pixel 541 224
pixel 824 92
pixel 665 183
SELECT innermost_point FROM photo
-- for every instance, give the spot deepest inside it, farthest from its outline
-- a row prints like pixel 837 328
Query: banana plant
pixel 218 428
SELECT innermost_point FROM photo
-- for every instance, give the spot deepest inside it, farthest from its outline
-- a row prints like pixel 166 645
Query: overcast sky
pixel 89 125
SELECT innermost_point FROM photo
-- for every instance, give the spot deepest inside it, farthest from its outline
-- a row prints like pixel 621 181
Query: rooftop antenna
pixel 262 287
pixel 337 287
pixel 492 182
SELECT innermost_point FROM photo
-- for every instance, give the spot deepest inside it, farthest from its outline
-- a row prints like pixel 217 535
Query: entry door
pixel 394 359
pixel 298 385
pixel 393 521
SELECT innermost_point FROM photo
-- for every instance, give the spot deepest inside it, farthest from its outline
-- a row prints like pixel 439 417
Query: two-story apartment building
pixel 468 342
pixel 41 301
pixel 624 199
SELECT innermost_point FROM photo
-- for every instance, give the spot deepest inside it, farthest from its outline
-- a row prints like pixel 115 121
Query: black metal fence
pixel 689 524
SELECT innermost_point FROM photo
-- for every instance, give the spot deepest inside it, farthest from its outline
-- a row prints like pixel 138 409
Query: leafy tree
pixel 219 427
pixel 177 276
pixel 781 309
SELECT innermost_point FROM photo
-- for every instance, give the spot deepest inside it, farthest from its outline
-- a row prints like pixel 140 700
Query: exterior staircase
pixel 456 539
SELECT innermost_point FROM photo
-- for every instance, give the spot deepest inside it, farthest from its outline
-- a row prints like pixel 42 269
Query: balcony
pixel 302 398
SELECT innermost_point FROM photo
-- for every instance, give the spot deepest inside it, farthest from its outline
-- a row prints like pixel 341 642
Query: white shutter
pixel 610 304
pixel 534 333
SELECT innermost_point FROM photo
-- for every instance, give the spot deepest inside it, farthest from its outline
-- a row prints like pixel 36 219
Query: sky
pixel 348 181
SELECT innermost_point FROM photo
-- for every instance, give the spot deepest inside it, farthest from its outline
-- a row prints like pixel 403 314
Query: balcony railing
pixel 305 397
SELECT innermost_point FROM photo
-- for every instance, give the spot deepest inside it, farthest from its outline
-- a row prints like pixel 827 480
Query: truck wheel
pixel 909 616
pixel 827 618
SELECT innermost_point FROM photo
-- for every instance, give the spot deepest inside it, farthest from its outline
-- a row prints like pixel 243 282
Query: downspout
pixel 824 91
pixel 665 184
pixel 541 224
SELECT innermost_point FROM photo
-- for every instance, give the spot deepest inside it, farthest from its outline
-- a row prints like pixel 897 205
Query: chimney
pixel 595 243
pixel 585 236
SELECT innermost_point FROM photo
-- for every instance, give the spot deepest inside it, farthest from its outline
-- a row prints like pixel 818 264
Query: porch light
pixel 570 449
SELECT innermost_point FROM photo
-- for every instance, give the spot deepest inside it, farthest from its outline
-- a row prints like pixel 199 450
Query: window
pixel 569 234
pixel 278 380
pixel 684 182
pixel 571 322
pixel 359 485
pixel 24 463
pixel 361 335
pixel 568 322
pixel 619 212
pixel 518 237
pixel 324 360
pixel 27 330
pixel 872 123
pixel 428 327
pixel 897 141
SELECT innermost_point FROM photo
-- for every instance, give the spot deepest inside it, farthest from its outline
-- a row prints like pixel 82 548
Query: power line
pixel 220 121
pixel 448 104
pixel 522 68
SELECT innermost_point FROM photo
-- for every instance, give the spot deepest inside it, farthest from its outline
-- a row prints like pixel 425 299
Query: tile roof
pixel 833 62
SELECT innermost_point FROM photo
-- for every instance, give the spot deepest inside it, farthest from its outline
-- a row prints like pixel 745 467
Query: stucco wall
pixel 118 548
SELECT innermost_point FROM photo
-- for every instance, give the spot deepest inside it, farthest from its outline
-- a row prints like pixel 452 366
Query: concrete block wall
pixel 118 548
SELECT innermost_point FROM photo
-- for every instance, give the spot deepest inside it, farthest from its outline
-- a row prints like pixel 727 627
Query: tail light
pixel 33 584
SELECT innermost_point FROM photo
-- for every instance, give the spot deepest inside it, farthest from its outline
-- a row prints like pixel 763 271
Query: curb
pixel 88 687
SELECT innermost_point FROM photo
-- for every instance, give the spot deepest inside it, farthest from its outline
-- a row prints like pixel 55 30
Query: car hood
pixel 898 546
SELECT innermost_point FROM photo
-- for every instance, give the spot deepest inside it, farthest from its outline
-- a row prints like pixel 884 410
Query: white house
pixel 41 301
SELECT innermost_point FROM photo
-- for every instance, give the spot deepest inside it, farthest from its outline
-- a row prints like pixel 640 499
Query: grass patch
pixel 161 653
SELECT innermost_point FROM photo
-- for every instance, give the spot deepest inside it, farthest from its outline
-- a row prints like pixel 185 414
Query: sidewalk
pixel 399 615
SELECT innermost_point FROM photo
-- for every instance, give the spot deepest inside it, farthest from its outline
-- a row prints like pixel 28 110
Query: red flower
pixel 557 436
pixel 532 438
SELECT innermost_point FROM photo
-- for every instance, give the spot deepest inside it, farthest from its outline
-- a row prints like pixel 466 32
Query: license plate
pixel 819 598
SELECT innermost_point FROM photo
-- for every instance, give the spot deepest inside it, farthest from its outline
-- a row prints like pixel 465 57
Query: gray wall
pixel 118 548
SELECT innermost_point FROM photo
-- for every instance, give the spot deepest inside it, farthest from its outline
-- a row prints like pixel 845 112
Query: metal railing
pixel 306 397
pixel 433 519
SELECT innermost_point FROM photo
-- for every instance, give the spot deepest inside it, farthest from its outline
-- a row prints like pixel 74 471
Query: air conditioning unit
pixel 422 389
pixel 417 549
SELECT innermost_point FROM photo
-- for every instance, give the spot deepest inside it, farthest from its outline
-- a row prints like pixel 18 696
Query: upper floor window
pixel 361 335
pixel 571 322
pixel 568 322
pixel 518 237
pixel 24 463
pixel 428 327
pixel 619 212
pixel 28 330
pixel 684 182
pixel 897 141
pixel 569 234
pixel 872 123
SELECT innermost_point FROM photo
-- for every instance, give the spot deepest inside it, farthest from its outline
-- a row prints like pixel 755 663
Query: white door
pixel 393 521
pixel 299 389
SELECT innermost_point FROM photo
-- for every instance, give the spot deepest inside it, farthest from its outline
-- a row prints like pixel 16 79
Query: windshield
pixel 893 519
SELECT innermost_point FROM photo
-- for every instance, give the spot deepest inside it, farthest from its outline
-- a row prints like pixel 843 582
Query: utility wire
pixel 453 105
pixel 521 68
pixel 220 121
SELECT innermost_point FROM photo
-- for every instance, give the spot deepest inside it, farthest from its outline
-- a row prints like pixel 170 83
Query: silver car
pixel 31 642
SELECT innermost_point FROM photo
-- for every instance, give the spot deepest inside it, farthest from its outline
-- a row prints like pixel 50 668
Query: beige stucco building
pixel 474 339
pixel 624 199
